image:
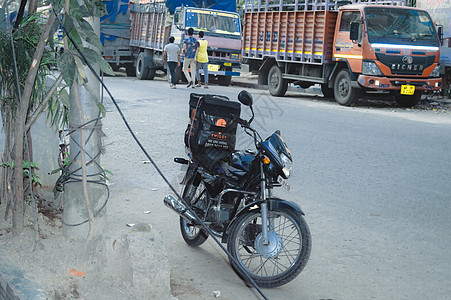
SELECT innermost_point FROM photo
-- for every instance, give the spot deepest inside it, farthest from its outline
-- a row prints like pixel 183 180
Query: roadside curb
pixel 250 85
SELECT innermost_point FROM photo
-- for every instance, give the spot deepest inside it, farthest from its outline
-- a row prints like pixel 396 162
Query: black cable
pixel 153 162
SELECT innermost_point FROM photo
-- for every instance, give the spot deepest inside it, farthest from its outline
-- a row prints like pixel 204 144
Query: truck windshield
pixel 213 21
pixel 395 25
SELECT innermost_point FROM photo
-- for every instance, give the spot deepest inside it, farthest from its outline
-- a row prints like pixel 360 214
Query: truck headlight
pixel 370 68
pixel 436 71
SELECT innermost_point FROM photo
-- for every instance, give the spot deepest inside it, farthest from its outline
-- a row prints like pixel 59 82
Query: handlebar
pixel 240 121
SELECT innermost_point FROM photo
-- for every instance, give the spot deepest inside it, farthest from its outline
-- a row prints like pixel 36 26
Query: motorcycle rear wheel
pixel 279 262
pixel 196 197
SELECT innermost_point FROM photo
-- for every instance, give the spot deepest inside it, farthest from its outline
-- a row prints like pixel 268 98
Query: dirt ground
pixel 108 267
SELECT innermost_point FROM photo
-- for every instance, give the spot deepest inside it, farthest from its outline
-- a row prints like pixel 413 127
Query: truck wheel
pixel 151 73
pixel 276 84
pixel 225 80
pixel 344 93
pixel 142 71
pixel 408 100
pixel 130 70
pixel 327 91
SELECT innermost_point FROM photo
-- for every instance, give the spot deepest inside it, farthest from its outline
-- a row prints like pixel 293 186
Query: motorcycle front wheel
pixel 282 259
pixel 196 196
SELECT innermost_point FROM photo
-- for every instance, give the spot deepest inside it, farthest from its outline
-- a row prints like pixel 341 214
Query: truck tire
pixel 130 70
pixel 151 73
pixel 344 93
pixel 408 100
pixel 142 71
pixel 276 84
pixel 224 80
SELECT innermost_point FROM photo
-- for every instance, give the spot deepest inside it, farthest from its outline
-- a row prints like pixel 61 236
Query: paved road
pixel 374 183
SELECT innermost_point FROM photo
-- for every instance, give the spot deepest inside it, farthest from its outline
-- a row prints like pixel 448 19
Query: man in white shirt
pixel 171 55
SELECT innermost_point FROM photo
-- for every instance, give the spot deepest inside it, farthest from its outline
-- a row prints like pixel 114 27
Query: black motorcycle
pixel 231 192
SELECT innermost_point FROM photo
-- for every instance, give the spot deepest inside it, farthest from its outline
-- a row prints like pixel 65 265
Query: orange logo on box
pixel 221 123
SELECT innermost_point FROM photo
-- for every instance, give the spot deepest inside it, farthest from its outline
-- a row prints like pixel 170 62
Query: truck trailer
pixel 152 24
pixel 440 11
pixel 348 49
pixel 115 35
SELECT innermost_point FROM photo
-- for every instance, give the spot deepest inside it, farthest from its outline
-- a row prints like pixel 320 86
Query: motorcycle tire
pixel 277 263
pixel 196 197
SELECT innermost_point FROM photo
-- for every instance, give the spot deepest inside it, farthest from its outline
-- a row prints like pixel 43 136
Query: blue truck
pixel 135 33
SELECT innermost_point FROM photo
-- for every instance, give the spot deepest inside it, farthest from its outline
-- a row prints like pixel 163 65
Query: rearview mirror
pixel 440 34
pixel 245 98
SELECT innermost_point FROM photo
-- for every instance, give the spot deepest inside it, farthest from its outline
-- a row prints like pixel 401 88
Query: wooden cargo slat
pixel 304 36
pixel 148 20
pixel 308 5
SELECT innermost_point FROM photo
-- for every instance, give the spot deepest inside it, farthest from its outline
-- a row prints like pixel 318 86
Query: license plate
pixel 284 183
pixel 213 68
pixel 407 89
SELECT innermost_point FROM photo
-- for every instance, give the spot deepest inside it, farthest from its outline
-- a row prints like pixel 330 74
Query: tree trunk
pixel 20 13
pixel 32 6
pixel 17 216
pixel 20 130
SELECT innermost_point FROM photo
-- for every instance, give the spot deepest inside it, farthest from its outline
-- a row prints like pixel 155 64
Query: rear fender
pixel 273 204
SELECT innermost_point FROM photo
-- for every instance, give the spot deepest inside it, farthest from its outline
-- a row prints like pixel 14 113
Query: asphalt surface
pixel 374 182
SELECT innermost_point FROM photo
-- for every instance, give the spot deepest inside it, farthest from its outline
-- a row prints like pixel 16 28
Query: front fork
pixel 264 206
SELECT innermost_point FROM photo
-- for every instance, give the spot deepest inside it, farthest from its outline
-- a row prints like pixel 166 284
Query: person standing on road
pixel 202 59
pixel 171 55
pixel 189 49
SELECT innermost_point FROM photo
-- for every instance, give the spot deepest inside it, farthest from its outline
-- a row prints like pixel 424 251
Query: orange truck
pixel 349 49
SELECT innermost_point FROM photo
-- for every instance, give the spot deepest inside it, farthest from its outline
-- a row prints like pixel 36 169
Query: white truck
pixel 440 11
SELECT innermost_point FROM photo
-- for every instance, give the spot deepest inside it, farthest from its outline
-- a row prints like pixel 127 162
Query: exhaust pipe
pixel 180 208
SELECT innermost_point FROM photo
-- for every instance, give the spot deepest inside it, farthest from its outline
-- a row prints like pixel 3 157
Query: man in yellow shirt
pixel 202 58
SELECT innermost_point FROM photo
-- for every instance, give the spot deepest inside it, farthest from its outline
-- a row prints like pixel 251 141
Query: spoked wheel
pixel 197 197
pixel 282 259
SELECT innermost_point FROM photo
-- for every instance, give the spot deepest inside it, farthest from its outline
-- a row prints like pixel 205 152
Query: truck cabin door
pixel 345 48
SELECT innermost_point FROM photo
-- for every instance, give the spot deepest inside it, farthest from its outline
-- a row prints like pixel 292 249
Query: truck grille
pixel 400 65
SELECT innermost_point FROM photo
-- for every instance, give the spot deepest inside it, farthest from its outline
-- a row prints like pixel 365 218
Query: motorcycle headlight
pixel 287 165
pixel 370 68
pixel 436 71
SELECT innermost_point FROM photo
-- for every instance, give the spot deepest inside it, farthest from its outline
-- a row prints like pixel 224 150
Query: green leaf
pixel 80 69
pixel 96 8
pixel 67 67
pixel 95 57
pixel 78 11
pixel 55 171
pixel 64 98
pixel 102 109
pixel 52 34
pixel 76 38
pixel 68 23
pixel 87 33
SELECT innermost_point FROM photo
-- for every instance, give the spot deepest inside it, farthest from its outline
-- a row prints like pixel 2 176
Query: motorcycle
pixel 268 237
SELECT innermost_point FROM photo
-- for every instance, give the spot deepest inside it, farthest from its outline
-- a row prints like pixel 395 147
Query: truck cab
pixel 392 49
